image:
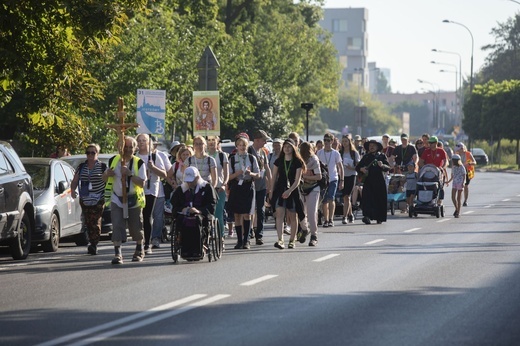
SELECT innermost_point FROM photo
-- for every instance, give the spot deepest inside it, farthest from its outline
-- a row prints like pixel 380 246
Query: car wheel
pixel 21 245
pixel 53 243
pixel 82 238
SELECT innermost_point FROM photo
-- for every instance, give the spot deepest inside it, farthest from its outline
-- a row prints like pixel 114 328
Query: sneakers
pixel 92 250
pixel 138 256
pixel 465 204
pixel 314 240
pixel 117 260
pixel 259 241
pixel 147 250
pixel 287 230
pixel 302 235
pixel 156 243
pixel 331 223
pixel 366 220
pixel 247 245
pixel 292 244
pixel 238 246
pixel 344 220
pixel 279 244
pixel 325 224
pixel 350 218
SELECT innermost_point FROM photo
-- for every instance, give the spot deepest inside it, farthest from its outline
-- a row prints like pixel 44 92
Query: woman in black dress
pixel 284 193
pixel 372 166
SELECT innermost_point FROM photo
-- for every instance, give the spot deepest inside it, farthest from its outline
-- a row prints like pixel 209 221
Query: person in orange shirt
pixel 469 163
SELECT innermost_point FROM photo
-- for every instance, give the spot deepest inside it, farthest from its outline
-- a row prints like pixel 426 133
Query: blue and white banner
pixel 151 111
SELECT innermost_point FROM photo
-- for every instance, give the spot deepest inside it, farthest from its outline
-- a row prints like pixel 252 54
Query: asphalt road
pixel 419 281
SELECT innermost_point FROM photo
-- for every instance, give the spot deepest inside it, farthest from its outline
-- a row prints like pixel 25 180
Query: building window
pixel 343 61
pixel 354 43
pixel 339 25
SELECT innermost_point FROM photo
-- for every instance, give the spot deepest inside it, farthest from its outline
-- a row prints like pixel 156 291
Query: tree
pixel 43 76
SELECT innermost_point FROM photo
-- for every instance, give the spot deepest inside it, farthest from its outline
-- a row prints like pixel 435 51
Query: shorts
pixel 410 193
pixel 457 187
pixel 330 193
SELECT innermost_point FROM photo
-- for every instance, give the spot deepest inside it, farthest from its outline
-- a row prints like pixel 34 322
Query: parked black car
pixel 480 156
pixel 16 203
pixel 58 215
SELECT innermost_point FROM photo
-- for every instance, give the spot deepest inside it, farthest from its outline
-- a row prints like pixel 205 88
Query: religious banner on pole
pixel 206 113
pixel 151 111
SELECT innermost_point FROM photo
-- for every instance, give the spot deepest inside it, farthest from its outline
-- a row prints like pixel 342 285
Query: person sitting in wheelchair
pixel 193 204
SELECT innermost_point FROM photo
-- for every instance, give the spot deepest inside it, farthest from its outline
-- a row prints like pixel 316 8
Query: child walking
pixel 411 184
pixel 458 178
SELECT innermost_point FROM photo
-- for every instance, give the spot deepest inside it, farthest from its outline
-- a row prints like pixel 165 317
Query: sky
pixel 402 34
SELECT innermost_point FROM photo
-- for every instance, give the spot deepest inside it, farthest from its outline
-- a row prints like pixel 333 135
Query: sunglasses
pixel 90 152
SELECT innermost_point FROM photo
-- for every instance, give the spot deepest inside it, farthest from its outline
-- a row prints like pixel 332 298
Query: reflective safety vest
pixel 141 201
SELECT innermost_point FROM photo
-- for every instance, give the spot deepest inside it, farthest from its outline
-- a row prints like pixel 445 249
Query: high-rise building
pixel 349 35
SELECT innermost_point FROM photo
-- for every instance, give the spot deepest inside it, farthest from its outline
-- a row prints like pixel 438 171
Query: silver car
pixel 58 215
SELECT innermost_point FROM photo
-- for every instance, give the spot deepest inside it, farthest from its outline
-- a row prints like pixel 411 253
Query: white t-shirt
pixel 348 161
pixel 330 159
pixel 167 167
pixel 151 185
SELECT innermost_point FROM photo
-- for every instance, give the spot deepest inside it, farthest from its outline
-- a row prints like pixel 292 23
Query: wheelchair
pixel 195 237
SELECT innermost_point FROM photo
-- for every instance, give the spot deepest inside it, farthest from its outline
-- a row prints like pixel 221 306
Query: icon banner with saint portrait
pixel 206 113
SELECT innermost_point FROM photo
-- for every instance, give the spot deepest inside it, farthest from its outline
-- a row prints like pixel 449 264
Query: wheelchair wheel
pixel 219 240
pixel 212 241
pixel 174 243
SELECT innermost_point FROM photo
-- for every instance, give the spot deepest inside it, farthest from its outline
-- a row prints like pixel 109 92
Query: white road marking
pixel 324 258
pixel 150 320
pixel 260 279
pixel 375 241
pixel 443 220
pixel 122 320
pixel 506 200
pixel 411 230
pixel 488 206
pixel 468 212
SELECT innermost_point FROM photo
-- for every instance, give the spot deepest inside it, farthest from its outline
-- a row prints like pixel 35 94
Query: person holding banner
pixel 135 172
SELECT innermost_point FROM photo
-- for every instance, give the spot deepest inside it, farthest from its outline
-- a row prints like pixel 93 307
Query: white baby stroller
pixel 429 192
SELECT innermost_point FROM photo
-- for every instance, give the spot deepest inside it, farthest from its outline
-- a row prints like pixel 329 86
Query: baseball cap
pixel 174 144
pixel 433 139
pixel 460 145
pixel 386 135
pixel 261 134
pixel 357 137
pixel 404 135
pixel 190 174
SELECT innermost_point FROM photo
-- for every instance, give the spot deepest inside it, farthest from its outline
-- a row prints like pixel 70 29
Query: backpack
pixel 324 182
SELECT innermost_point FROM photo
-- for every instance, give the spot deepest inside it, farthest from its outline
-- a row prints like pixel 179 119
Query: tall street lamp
pixel 359 109
pixel 461 94
pixel 472 47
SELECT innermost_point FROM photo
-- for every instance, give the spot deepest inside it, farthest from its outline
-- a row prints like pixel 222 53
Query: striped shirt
pixel 91 185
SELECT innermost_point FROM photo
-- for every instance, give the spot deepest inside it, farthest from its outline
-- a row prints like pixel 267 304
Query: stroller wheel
pixel 442 211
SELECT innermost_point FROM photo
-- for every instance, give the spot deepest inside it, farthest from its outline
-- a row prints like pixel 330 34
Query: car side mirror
pixel 62 187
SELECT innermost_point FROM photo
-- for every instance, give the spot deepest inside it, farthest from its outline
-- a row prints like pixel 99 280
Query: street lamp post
pixel 359 115
pixel 472 47
pixel 307 107
pixel 459 91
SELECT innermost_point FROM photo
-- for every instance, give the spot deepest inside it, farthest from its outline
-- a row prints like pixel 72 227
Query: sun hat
pixel 367 143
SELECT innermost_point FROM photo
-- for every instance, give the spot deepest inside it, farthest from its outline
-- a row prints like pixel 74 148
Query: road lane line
pixel 411 230
pixel 324 258
pixel 260 279
pixel 150 320
pixel 468 212
pixel 443 220
pixel 123 320
pixel 506 200
pixel 375 241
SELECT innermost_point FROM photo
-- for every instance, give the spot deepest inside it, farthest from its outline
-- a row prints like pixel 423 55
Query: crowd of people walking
pixel 297 181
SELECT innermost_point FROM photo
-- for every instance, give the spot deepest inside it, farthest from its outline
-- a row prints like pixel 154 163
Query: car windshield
pixel 40 175
pixel 478 151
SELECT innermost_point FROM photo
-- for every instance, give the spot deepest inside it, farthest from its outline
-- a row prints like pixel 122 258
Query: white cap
pixel 190 174
pixel 174 143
